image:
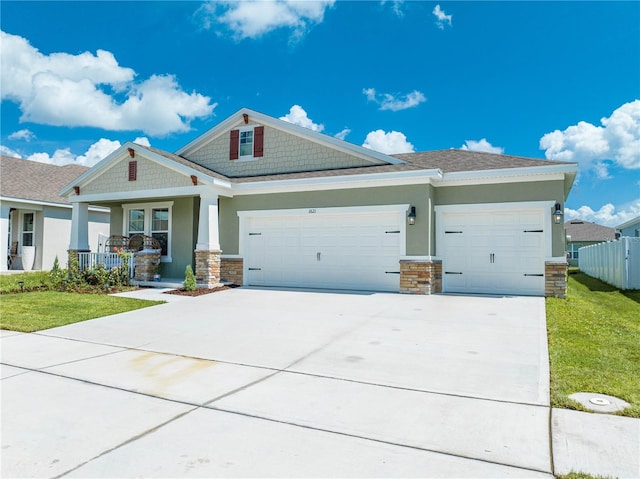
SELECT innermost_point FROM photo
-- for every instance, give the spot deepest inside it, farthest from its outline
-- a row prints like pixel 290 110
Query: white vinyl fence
pixel 616 262
pixel 108 260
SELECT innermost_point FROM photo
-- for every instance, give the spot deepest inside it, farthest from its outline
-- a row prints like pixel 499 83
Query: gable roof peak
pixel 306 133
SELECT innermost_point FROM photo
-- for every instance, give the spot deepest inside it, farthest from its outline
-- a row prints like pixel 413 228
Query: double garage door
pixel 498 251
pixel 334 248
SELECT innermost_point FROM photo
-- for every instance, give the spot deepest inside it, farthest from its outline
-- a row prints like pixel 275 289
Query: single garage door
pixel 492 251
pixel 335 248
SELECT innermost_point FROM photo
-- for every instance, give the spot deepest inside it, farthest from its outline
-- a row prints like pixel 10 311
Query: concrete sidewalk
pixel 250 382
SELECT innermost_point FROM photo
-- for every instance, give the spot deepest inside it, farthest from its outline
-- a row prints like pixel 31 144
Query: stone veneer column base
pixel 555 279
pixel 146 261
pixel 208 268
pixel 420 276
pixel 231 270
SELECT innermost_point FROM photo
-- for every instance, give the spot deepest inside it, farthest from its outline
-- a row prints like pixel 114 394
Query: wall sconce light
pixel 558 214
pixel 412 216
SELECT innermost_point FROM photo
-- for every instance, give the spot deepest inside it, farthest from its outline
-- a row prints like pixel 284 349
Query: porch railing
pixel 108 260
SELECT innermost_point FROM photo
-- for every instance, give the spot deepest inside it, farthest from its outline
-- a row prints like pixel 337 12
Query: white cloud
pixel 396 4
pixel 61 89
pixel 142 140
pixel 255 18
pixel 25 135
pixel 342 134
pixel 481 145
pixel 442 17
pixel 606 215
pixel 95 153
pixel 299 117
pixel 388 143
pixel 617 141
pixel 5 150
pixel 391 102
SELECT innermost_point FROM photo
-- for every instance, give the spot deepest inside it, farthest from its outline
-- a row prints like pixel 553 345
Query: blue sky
pixel 556 80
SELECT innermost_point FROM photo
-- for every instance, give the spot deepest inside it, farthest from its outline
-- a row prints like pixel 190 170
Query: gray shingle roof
pixel 448 161
pixel 580 230
pixel 31 180
pixel 183 161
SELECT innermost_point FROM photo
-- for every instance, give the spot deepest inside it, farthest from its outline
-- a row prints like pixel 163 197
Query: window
pixel 151 219
pixel 27 229
pixel 246 143
pixel 160 227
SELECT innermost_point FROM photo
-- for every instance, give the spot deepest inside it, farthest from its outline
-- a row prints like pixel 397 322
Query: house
pixel 630 228
pixel 35 216
pixel 583 233
pixel 260 201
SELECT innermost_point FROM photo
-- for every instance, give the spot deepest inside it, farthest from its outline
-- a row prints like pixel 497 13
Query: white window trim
pixel 247 157
pixel 147 207
pixel 21 230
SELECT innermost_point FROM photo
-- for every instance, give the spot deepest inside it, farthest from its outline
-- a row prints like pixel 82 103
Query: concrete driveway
pixel 272 383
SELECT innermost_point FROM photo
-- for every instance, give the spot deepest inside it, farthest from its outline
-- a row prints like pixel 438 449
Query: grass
pixel 35 311
pixel 594 343
pixel 40 307
pixel 11 282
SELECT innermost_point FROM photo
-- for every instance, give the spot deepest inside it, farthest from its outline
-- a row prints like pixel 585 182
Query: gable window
pixel 246 143
pixel 150 219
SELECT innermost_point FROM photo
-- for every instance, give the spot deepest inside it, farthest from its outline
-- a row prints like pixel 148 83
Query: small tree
pixel 56 275
pixel 189 279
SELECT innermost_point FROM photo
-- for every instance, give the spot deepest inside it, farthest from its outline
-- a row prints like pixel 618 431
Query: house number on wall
pixel 312 210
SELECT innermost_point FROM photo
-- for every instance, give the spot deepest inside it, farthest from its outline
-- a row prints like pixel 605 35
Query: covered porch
pixel 162 236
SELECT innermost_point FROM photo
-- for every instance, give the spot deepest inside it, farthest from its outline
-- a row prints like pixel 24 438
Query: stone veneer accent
pixel 555 279
pixel 207 268
pixel 145 262
pixel 231 270
pixel 420 276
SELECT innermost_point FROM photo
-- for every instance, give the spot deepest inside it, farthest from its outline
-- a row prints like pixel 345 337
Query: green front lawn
pixel 594 343
pixel 28 312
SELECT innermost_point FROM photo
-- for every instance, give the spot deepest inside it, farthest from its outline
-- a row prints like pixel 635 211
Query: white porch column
pixel 207 251
pixel 79 227
pixel 4 235
pixel 208 231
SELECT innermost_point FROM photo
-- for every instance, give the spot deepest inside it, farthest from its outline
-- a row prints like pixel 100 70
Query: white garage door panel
pixel 342 251
pixel 492 251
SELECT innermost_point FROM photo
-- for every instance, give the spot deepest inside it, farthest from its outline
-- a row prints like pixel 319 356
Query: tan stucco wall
pixel 509 192
pixel 283 153
pixel 151 175
pixel 416 195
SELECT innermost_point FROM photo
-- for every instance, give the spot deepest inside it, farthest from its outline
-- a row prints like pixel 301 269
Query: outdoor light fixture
pixel 558 214
pixel 21 283
pixel 412 216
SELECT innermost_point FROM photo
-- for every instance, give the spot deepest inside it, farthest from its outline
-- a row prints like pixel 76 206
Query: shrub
pixel 189 279
pixel 57 275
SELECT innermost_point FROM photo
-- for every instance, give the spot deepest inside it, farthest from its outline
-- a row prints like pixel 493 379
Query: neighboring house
pixel 33 214
pixel 631 228
pixel 259 201
pixel 583 233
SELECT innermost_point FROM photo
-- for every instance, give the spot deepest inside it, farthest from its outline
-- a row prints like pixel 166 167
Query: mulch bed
pixel 199 291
